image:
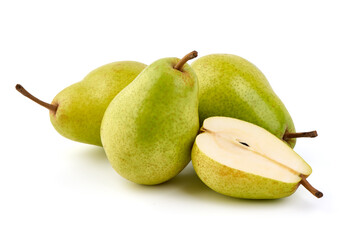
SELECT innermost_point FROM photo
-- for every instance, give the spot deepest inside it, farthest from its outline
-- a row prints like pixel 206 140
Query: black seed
pixel 244 143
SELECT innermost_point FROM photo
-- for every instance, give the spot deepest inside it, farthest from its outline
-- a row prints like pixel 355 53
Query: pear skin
pixel 231 86
pixel 149 128
pixel 242 160
pixel 77 111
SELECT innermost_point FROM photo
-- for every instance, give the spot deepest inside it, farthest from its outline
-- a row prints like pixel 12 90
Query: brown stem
pixel 23 91
pixel 308 186
pixel 311 134
pixel 186 58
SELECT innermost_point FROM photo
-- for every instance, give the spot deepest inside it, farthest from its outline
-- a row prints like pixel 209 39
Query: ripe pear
pixel 76 112
pixel 240 159
pixel 231 86
pixel 149 128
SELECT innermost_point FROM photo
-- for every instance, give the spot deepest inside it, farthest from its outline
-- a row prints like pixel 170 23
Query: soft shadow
pixel 92 153
pixel 187 182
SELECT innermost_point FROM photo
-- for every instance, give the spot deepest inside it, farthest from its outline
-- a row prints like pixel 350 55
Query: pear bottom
pixel 235 183
pixel 147 172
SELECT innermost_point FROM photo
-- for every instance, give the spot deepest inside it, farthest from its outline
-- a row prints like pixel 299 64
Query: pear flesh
pixel 243 160
pixel 149 128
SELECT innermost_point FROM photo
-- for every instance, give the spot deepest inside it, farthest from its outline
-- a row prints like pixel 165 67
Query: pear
pixel 231 86
pixel 76 112
pixel 149 128
pixel 240 159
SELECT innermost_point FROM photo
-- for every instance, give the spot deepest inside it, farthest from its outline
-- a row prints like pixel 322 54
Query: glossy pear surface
pixel 233 87
pixel 82 105
pixel 243 160
pixel 149 128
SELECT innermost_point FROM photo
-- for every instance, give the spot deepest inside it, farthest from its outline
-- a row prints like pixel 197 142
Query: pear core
pixel 246 147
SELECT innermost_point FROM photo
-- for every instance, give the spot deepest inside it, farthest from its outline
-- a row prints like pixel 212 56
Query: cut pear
pixel 240 159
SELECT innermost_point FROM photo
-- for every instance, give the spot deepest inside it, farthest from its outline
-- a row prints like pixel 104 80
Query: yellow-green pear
pixel 231 86
pixel 149 128
pixel 76 112
pixel 242 160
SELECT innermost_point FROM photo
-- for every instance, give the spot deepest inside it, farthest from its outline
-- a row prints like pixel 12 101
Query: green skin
pixel 235 183
pixel 81 106
pixel 231 86
pixel 149 128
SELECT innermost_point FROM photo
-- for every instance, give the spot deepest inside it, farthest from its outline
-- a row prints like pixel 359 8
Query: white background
pixel 53 188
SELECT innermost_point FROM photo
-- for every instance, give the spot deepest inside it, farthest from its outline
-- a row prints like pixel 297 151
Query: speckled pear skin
pixel 231 86
pixel 81 106
pixel 149 128
pixel 235 183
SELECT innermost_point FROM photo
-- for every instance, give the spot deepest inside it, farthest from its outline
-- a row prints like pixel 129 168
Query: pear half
pixel 240 159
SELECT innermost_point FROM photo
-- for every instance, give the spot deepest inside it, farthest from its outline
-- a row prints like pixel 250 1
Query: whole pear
pixel 76 112
pixel 233 87
pixel 240 159
pixel 149 128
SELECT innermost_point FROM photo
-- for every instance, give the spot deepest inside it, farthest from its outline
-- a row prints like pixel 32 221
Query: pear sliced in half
pixel 243 160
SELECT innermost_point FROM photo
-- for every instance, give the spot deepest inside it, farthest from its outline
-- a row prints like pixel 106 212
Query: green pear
pixel 76 112
pixel 233 87
pixel 149 128
pixel 240 159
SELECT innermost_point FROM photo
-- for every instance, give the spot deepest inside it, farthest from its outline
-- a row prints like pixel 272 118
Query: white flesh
pixel 266 155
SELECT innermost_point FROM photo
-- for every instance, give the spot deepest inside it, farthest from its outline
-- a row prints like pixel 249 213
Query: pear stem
pixel 308 186
pixel 311 134
pixel 186 58
pixel 23 91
